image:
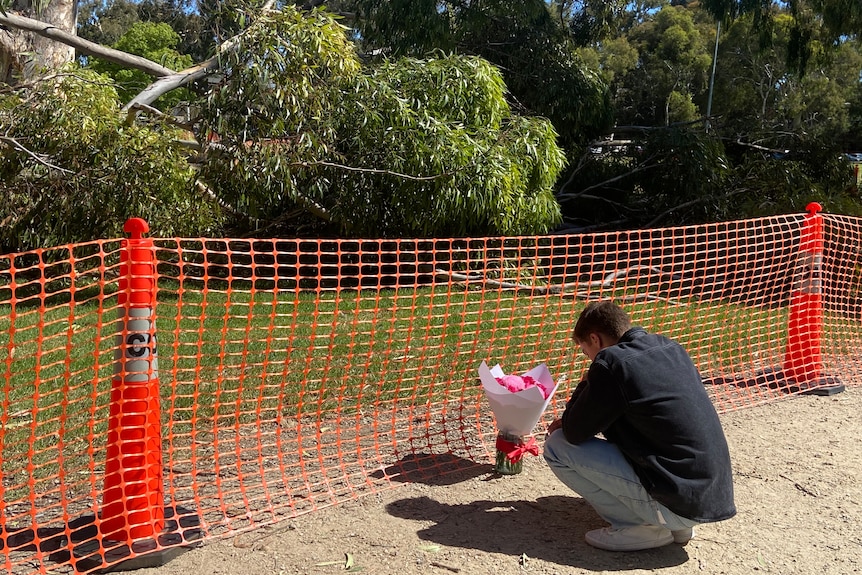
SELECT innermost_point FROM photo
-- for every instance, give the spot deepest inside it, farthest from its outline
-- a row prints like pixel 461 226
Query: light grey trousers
pixel 597 470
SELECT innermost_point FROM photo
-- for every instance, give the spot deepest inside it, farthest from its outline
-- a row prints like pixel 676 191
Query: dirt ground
pixel 798 482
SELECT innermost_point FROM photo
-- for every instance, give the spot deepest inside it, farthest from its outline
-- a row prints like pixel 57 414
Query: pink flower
pixel 513 383
pixel 516 383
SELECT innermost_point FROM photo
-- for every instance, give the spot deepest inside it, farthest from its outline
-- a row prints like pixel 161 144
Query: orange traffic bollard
pixel 133 497
pixel 803 361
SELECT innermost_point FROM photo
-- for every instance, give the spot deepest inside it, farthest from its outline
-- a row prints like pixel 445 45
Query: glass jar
pixel 506 442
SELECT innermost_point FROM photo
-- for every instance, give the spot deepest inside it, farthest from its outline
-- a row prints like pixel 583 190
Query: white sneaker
pixel 629 538
pixel 682 536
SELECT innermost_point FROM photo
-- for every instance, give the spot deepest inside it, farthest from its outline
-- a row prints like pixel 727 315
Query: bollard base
pixel 822 386
pixel 145 561
pixel 182 533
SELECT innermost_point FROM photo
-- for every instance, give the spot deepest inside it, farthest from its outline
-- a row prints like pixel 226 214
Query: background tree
pixel 784 130
pixel 294 137
pixel 156 42
pixel 842 18
pixel 759 94
pixel 812 21
pixel 741 166
pixel 350 137
pixel 71 170
pixel 671 72
pixel 540 65
pixel 105 22
pixel 188 22
pixel 592 22
pixel 25 55
pixel 411 147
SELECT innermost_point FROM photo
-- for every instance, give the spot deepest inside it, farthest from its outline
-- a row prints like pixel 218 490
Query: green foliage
pixel 614 58
pixel 814 23
pixel 840 17
pixel 405 27
pixel 485 171
pixel 769 148
pixel 300 139
pixel 687 183
pixel 757 93
pixel 78 172
pixel 540 65
pixel 283 80
pixel 545 74
pixel 224 19
pixel 276 108
pixel 105 22
pixel 680 108
pixel 684 175
pixel 763 185
pixel 195 39
pixel 673 67
pixel 594 22
pixel 464 90
pixel 156 42
pixel 411 147
pixel 148 39
pixel 663 176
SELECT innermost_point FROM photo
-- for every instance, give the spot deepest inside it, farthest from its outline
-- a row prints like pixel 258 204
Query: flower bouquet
pixel 518 402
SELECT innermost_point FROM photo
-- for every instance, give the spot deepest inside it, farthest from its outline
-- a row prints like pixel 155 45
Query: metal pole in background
pixel 712 75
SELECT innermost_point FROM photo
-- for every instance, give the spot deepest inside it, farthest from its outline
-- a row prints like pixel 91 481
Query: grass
pixel 229 356
pixel 320 353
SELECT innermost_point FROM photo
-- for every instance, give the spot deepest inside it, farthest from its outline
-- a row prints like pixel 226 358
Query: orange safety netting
pixel 297 374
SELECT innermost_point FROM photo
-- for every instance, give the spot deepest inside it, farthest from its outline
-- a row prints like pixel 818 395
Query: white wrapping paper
pixel 517 413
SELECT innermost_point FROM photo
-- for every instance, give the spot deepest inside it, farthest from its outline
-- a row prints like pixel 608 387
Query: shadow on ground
pixel 432 469
pixel 551 529
pixel 775 379
pixel 78 545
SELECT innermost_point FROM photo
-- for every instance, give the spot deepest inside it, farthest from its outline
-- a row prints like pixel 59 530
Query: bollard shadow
pixel 78 544
pixel 52 541
pixel 775 379
pixel 551 529
pixel 432 469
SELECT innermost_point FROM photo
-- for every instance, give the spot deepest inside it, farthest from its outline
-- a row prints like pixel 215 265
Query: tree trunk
pixel 24 55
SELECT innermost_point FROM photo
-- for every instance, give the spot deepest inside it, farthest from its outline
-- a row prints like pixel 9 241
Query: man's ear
pixel 596 339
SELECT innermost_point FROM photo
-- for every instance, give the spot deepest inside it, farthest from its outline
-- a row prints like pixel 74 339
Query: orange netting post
pixel 133 497
pixel 803 362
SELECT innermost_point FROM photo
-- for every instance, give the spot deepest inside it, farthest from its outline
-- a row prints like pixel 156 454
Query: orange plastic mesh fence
pixel 297 374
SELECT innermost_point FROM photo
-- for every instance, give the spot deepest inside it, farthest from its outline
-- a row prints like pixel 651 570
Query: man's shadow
pixel 551 529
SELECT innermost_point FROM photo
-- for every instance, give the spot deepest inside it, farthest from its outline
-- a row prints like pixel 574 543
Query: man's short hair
pixel 604 317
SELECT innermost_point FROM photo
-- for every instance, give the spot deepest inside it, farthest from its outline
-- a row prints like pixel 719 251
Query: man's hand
pixel 554 425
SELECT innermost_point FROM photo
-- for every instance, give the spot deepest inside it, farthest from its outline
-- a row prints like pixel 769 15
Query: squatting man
pixel 663 465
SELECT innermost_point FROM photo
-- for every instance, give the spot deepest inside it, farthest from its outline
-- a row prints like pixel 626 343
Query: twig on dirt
pixel 444 566
pixel 800 487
